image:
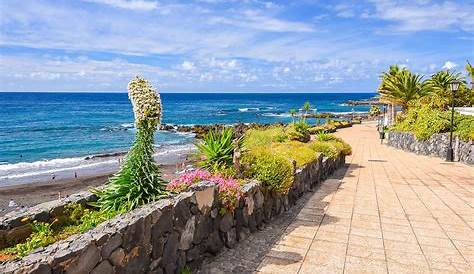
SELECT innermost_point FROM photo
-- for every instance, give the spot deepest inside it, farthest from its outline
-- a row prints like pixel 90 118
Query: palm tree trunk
pixel 394 114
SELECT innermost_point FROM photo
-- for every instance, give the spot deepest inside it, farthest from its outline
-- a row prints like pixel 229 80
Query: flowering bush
pixel 229 192
pixel 187 179
pixel 229 188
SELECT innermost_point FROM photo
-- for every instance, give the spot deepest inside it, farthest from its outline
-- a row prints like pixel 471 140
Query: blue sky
pixel 227 45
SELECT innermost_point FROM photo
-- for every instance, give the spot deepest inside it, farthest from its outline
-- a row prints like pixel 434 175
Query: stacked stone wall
pixel 164 236
pixel 435 146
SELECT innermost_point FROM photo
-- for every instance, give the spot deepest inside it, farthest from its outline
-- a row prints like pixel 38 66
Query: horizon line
pixel 196 92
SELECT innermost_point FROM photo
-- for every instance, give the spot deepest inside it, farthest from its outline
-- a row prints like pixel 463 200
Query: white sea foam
pixel 348 112
pixel 248 109
pixel 127 125
pixel 276 114
pixel 66 168
pixel 187 134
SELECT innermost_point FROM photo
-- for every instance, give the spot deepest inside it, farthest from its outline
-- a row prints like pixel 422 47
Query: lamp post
pixel 454 85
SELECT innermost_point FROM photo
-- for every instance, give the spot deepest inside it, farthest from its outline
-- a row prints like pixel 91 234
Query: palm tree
pixel 402 88
pixel 470 71
pixel 392 72
pixel 293 114
pixel 306 108
pixel 440 92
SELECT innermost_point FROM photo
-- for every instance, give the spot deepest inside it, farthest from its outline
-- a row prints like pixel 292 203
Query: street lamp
pixel 454 85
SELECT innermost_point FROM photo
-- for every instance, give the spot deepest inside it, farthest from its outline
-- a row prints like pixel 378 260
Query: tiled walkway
pixel 393 212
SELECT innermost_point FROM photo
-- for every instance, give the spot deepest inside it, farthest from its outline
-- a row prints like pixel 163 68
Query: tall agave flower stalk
pixel 139 179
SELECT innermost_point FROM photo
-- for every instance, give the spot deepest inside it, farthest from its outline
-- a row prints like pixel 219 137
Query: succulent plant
pixel 139 179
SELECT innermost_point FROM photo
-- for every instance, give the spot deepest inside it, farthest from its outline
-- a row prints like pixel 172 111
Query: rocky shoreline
pixel 200 130
pixel 363 102
pixel 240 128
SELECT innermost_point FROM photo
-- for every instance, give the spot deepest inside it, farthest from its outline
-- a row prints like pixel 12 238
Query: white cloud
pixel 344 10
pixel 128 4
pixel 449 65
pixel 201 46
pixel 186 65
pixel 258 20
pixel 222 64
pixel 22 72
pixel 425 15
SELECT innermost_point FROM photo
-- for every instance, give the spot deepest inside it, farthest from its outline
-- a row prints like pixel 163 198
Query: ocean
pixel 41 133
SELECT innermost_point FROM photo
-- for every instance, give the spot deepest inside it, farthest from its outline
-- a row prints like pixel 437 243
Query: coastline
pixel 30 194
pixel 81 167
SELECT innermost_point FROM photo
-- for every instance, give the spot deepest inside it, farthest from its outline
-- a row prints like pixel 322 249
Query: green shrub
pixel 329 128
pixel 298 131
pixel 465 127
pixel 75 219
pixel 423 122
pixel 294 150
pixel 316 130
pixel 264 137
pixel 341 146
pixel 41 235
pixel 325 148
pixel 217 148
pixel 322 136
pixel 326 128
pixel 273 170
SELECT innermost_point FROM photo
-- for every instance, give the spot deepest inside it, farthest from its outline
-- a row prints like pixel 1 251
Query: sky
pixel 227 45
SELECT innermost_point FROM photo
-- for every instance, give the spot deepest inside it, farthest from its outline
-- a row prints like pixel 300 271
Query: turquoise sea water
pixel 44 126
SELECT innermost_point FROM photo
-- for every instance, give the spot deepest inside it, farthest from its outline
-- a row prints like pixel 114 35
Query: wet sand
pixel 28 195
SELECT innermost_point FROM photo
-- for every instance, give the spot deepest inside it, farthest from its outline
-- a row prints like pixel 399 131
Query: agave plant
pixel 217 148
pixel 139 179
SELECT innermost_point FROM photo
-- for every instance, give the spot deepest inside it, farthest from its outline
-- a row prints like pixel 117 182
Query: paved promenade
pixel 392 212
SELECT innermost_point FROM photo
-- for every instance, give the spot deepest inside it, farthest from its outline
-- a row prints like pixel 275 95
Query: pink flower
pixel 229 188
pixel 229 191
pixel 189 178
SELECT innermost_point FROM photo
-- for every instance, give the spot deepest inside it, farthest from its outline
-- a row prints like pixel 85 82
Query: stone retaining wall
pixel 435 146
pixel 169 234
pixel 15 226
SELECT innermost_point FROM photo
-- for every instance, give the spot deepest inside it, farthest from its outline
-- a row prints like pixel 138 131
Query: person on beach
pixel 75 174
pixel 53 176
pixel 12 204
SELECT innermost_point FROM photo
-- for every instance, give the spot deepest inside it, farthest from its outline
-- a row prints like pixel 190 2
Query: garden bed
pixel 163 236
